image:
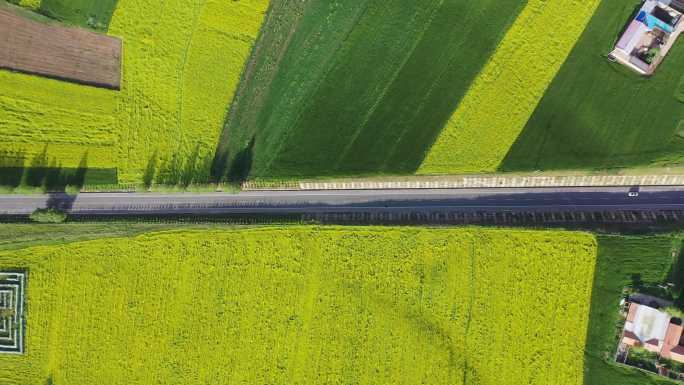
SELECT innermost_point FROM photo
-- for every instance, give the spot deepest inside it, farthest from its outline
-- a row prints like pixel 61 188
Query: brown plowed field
pixel 59 52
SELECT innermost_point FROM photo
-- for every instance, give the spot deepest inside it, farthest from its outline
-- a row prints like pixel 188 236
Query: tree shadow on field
pixel 235 170
pixel 151 169
pixel 47 173
pixel 192 169
pixel 219 166
pixel 637 281
pixel 179 170
pixel 242 164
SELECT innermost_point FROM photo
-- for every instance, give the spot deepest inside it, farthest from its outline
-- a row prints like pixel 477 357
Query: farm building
pixel 653 330
pixel 649 36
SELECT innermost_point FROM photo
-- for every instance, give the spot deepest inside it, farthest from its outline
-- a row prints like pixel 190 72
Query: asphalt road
pixel 373 201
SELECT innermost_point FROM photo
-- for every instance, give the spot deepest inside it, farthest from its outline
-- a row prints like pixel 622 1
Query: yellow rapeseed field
pixel 503 97
pixel 182 64
pixel 63 120
pixel 307 305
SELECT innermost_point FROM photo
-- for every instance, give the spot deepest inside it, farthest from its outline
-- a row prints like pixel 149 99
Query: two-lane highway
pixel 312 202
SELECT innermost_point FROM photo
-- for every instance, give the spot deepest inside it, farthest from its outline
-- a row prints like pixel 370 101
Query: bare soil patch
pixel 59 52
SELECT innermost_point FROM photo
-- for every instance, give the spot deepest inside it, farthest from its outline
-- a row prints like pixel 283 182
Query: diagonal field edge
pixel 503 97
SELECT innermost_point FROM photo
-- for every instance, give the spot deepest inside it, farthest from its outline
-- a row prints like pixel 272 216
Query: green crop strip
pixel 357 87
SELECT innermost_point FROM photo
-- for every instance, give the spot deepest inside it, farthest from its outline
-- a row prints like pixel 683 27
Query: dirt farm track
pixel 59 52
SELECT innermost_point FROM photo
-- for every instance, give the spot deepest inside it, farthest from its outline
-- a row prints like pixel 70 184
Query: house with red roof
pixel 654 330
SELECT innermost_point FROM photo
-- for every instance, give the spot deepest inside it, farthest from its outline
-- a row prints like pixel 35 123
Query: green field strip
pixel 293 76
pixel 597 114
pixel 95 14
pixel 680 90
pixel 359 305
pixel 505 94
pixel 426 90
pixel 359 88
pixel 277 35
pixel 338 106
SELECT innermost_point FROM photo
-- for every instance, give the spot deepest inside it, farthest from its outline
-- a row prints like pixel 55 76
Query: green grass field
pixel 620 259
pixel 357 87
pixel 598 115
pixel 95 14
pixel 307 305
